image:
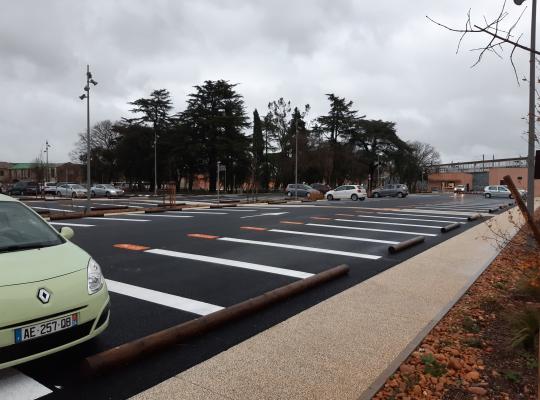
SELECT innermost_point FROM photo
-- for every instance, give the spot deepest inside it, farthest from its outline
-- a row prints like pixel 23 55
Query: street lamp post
pixel 532 81
pixel 46 151
pixel 296 162
pixel 86 96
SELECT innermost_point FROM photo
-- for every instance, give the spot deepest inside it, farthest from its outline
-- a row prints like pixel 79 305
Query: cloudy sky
pixel 384 55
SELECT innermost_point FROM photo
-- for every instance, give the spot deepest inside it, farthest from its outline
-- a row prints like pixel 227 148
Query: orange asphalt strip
pixel 134 247
pixel 322 218
pixel 291 222
pixel 252 228
pixel 202 236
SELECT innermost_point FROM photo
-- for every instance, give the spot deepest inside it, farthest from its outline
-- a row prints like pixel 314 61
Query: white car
pixel 460 189
pixel 353 192
pixel 106 190
pixel 70 190
pixel 501 191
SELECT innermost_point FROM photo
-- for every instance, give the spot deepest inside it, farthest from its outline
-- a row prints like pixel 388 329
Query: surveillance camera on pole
pixel 86 96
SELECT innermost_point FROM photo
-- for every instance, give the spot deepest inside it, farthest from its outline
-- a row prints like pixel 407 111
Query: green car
pixel 52 293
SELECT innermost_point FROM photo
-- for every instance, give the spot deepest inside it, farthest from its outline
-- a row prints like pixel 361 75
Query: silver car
pixel 70 190
pixel 106 190
pixel 501 191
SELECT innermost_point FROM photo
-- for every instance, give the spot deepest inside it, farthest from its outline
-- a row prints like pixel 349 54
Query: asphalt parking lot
pixel 167 268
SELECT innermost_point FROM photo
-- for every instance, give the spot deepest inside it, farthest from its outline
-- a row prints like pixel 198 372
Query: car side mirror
pixel 67 232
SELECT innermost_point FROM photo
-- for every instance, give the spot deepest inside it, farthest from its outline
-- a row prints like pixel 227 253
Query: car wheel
pixel 330 197
pixel 289 194
pixel 354 197
pixel 376 194
pixel 93 194
pixel 73 195
pixel 59 194
pixel 400 195
pixel 487 195
pixel 510 196
pixel 308 195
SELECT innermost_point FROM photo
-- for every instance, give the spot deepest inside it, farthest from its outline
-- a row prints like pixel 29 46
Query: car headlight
pixel 95 277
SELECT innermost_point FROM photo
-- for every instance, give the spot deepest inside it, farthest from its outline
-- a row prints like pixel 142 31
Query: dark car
pixel 394 190
pixel 24 188
pixel 321 187
pixel 299 190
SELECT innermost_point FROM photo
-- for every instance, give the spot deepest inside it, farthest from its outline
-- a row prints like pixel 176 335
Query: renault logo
pixel 43 296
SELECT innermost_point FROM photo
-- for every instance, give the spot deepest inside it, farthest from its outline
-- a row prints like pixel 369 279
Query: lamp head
pixel 519 2
pixel 82 96
pixel 93 82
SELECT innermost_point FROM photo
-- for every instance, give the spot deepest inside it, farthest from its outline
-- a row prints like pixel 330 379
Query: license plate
pixel 45 328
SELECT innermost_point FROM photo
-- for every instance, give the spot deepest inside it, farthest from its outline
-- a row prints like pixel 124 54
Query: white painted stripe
pixel 53 209
pixel 119 219
pixel 459 207
pixel 422 215
pixel 333 236
pixel 70 224
pixel 146 203
pixel 15 385
pixel 470 210
pixel 387 223
pixel 437 212
pixel 163 215
pixel 303 248
pixel 403 219
pixel 372 230
pixel 164 299
pixel 199 212
pixel 232 263
pixel 239 210
pixel 115 205
pixel 261 207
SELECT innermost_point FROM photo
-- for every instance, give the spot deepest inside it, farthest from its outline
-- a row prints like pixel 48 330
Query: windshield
pixel 21 229
pixel 108 186
pixel 77 187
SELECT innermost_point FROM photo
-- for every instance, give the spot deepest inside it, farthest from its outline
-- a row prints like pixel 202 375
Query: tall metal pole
pixel 155 162
pixel 88 147
pixel 296 162
pixel 47 171
pixel 378 170
pixel 217 182
pixel 532 116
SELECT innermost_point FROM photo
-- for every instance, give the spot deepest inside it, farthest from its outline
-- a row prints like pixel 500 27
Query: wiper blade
pixel 18 247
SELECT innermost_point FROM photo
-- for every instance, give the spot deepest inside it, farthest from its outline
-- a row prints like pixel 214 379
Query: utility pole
pixel 155 162
pixel 217 182
pixel 296 162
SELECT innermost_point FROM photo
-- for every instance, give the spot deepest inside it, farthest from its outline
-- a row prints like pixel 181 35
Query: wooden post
pixel 523 208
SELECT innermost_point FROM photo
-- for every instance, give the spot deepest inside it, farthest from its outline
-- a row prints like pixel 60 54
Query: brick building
pixel 58 172
pixel 475 175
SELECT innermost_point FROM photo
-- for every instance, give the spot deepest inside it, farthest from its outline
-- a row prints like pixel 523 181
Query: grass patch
pixel 432 366
pixel 470 325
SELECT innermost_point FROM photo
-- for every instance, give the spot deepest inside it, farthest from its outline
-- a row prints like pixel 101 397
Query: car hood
pixel 36 265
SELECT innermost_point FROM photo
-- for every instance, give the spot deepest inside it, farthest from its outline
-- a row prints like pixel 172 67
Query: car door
pixel 349 191
pixel 503 192
pixel 100 190
pixel 338 192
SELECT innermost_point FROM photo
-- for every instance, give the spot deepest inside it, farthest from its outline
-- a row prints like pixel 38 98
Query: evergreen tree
pixel 257 148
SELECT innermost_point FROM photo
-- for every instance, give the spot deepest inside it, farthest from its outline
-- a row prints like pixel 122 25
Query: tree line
pixel 258 152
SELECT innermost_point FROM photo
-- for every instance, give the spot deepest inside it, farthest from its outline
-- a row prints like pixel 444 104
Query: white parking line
pixel 15 385
pixel 145 203
pixel 372 230
pixel 52 209
pixel 199 212
pixel 70 224
pixel 164 215
pixel 455 209
pixel 303 248
pixel 232 263
pixel 333 236
pixel 119 219
pixel 404 219
pixel 387 223
pixel 421 215
pixel 164 299
pixel 115 205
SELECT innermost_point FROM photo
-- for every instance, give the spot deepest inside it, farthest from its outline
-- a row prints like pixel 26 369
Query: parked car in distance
pixel 300 190
pixel 71 190
pixel 459 189
pixel 394 190
pixel 501 191
pixel 321 187
pixel 49 188
pixel 107 190
pixel 24 188
pixel 53 293
pixel 353 192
